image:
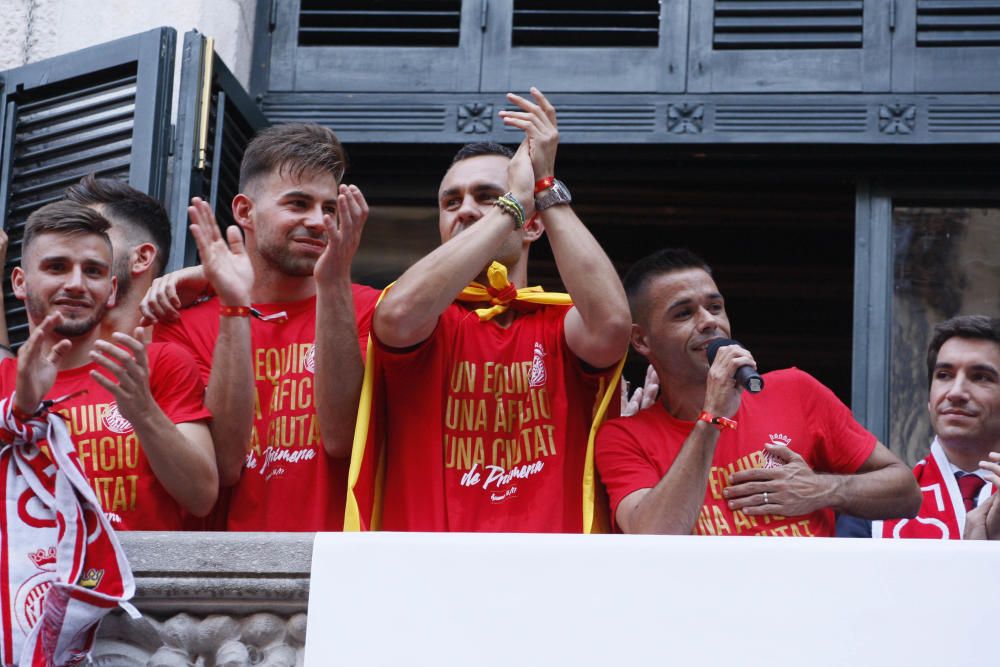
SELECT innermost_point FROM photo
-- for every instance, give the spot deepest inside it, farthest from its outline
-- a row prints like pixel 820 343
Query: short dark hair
pixel 660 262
pixel 296 149
pixel 64 217
pixel 481 148
pixel 137 211
pixel 977 327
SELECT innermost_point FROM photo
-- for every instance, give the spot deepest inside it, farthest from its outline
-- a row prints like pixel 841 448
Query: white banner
pixel 608 600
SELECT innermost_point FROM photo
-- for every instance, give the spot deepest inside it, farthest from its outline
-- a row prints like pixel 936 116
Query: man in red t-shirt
pixel 712 460
pixel 488 408
pixel 133 409
pixel 279 346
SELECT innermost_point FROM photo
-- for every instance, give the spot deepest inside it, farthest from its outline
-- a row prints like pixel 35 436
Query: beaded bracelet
pixel 509 204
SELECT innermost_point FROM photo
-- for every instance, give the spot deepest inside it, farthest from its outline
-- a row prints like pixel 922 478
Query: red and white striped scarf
pixel 61 566
pixel 942 513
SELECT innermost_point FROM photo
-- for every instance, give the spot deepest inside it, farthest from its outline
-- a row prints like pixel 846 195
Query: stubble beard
pixel 286 262
pixel 71 327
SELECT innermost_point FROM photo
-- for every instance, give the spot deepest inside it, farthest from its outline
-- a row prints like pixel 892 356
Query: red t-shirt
pixel 110 453
pixel 288 481
pixel 487 427
pixel 794 410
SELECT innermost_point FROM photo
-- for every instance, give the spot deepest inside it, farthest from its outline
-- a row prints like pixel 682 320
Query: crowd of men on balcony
pixel 264 391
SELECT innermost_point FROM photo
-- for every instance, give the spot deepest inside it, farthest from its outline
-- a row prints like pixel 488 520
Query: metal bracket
pixel 205 101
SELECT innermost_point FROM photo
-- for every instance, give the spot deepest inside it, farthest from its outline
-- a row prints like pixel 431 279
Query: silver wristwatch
pixel 554 195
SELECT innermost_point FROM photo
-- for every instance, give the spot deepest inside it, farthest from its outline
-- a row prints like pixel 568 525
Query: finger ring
pixel 765 497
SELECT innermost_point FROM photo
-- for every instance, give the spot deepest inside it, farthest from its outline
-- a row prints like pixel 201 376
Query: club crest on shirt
pixel 309 363
pixel 780 439
pixel 538 374
pixel 114 420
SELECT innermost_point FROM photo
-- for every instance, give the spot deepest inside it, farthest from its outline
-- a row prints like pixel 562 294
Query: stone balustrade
pixel 212 599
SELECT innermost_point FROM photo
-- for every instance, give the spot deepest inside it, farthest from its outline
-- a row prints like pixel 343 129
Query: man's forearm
pixel 410 310
pixel 187 472
pixel 888 493
pixel 673 505
pixel 586 271
pixel 230 397
pixel 339 370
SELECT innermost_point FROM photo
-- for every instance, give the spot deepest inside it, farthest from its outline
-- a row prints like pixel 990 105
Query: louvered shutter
pixel 785 24
pixel 103 110
pixel 212 133
pixel 376 45
pixel 947 46
pixel 962 23
pixel 585 45
pixel 790 46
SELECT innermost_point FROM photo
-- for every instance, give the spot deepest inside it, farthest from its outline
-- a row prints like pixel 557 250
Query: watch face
pixel 557 194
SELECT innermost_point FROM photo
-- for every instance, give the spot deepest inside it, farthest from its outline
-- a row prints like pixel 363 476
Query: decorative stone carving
pixel 261 640
pixel 897 118
pixel 475 118
pixel 212 600
pixel 685 118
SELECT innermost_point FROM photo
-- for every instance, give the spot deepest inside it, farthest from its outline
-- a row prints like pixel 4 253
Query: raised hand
pixel 521 180
pixel 38 363
pixel 722 392
pixel 983 523
pixel 224 261
pixel 538 121
pixel 127 362
pixel 343 235
pixel 171 292
pixel 643 396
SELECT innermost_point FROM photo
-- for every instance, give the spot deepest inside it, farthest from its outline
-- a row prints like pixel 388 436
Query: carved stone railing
pixel 212 599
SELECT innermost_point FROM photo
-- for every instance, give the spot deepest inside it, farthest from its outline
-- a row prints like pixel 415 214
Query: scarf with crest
pixel 942 512
pixel 61 567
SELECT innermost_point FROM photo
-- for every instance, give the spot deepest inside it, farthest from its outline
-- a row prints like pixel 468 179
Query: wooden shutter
pixel 585 45
pixel 943 23
pixel 788 24
pixel 380 23
pixel 790 46
pixel 103 110
pixel 376 45
pixel 216 119
pixel 946 46
pixel 597 23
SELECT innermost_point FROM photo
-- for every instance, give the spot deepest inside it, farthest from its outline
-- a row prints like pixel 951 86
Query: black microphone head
pixel 713 347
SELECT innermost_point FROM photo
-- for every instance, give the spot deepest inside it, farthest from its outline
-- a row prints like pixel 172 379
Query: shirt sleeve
pixel 178 333
pixel 594 378
pixel 177 385
pixel 844 444
pixel 621 461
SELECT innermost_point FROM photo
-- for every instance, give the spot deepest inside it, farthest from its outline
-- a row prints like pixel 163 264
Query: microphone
pixel 745 375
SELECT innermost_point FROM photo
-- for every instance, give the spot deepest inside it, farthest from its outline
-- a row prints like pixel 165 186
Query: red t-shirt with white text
pixel 288 482
pixel 109 450
pixel 794 410
pixel 487 426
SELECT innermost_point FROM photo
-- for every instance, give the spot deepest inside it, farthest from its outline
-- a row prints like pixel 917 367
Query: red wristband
pixel 718 422
pixel 544 183
pixel 234 311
